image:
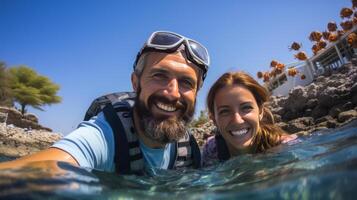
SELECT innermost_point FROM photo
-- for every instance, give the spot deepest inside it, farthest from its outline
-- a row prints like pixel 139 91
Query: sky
pixel 88 47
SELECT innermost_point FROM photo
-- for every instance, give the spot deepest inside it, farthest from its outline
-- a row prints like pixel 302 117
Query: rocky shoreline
pixel 22 135
pixel 329 102
pixel 16 142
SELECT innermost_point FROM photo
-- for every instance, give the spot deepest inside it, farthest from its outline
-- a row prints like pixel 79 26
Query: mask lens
pixel 162 38
pixel 199 51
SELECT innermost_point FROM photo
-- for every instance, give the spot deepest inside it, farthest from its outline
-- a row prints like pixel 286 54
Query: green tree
pixel 5 90
pixel 30 88
pixel 202 119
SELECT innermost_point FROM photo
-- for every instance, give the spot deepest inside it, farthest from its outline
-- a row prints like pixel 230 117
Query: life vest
pixel 128 158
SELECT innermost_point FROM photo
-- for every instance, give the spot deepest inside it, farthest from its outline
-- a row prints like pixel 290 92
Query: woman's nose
pixel 238 118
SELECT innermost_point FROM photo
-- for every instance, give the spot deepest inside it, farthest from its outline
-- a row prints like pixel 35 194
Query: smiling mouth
pixel 166 107
pixel 240 132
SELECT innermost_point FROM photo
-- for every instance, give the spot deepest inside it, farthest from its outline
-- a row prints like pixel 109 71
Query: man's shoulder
pixel 116 99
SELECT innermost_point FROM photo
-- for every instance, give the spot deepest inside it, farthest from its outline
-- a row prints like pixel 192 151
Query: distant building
pixel 333 56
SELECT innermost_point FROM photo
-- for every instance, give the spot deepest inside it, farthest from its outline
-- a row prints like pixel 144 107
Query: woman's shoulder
pixel 209 152
pixel 285 138
pixel 210 143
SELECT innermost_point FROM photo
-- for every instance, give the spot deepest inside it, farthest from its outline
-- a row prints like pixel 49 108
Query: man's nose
pixel 173 91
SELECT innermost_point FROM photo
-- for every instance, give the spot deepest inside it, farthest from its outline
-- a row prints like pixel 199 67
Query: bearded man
pixel 128 132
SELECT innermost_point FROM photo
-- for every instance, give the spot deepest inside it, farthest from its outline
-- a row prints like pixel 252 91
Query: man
pixel 146 128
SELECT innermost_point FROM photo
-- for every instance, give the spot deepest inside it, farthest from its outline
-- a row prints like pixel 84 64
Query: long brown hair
pixel 268 134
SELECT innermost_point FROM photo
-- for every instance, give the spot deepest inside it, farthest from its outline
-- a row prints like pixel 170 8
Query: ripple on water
pixel 319 166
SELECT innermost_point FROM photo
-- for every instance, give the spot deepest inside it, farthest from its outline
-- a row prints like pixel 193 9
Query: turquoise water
pixel 322 165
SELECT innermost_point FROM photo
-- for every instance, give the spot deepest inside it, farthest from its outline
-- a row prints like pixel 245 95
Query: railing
pixel 333 56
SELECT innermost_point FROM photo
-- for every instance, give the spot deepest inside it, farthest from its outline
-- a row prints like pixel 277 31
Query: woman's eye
pixel 223 112
pixel 247 108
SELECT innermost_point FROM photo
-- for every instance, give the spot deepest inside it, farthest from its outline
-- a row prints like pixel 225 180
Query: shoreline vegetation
pixel 330 101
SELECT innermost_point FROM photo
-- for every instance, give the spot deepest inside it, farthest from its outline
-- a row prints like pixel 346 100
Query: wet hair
pixel 268 134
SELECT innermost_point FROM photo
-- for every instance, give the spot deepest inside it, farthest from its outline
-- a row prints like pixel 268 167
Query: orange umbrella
pixel 301 55
pixel 295 46
pixel 315 36
pixel 331 26
pixel 346 12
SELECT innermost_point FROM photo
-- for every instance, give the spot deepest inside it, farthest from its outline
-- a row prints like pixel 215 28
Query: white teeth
pixel 166 107
pixel 239 132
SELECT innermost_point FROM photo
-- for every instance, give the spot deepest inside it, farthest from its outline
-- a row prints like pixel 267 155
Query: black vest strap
pixel 122 157
pixel 183 144
pixel 196 153
pixel 173 154
pixel 223 153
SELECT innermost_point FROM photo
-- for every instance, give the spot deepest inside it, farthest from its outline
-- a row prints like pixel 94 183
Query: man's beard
pixel 163 130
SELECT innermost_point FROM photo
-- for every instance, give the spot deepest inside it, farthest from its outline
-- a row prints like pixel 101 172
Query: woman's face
pixel 236 114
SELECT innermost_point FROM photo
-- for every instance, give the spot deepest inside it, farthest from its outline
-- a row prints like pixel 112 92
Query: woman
pixel 236 104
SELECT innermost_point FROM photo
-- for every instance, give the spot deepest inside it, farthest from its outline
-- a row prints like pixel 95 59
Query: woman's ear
pixel 211 116
pixel 261 114
pixel 134 81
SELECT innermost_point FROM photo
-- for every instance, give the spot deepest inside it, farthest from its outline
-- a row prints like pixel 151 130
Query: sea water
pixel 322 165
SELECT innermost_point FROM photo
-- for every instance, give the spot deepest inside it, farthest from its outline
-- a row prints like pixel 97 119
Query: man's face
pixel 166 93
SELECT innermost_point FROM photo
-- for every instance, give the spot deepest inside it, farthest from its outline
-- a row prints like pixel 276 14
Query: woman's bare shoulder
pixel 285 138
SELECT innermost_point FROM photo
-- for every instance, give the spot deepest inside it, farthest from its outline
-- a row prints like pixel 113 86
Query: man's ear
pixel 134 81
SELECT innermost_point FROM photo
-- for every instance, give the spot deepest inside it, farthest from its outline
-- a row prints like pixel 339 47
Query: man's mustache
pixel 178 104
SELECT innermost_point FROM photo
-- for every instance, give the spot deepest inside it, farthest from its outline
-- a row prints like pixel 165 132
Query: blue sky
pixel 88 47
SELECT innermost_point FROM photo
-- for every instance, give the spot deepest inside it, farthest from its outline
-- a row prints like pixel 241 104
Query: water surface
pixel 322 165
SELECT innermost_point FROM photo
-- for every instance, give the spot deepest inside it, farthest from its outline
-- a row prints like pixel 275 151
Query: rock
pixel 319 111
pixel 312 90
pixel 328 124
pixel 329 97
pixel 323 119
pixel 344 116
pixel 335 83
pixel 278 111
pixel 300 124
pixel 335 110
pixel 344 69
pixel 312 103
pixel 354 99
pixel 354 88
pixel 308 112
pixel 347 106
pixel 28 121
pixel 289 115
pixel 31 117
pixel 321 79
pixel 297 100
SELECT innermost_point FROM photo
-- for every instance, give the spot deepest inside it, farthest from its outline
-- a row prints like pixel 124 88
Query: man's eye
pixel 159 75
pixel 188 84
